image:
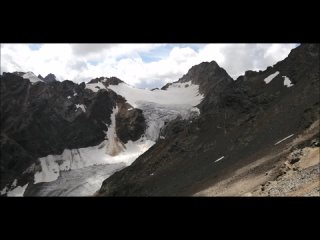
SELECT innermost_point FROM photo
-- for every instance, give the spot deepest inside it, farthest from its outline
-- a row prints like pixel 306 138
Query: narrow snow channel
pixel 283 139
pixel 219 159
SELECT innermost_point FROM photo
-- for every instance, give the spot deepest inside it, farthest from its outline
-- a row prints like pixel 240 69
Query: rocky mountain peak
pixel 207 75
pixel 106 81
pixel 49 78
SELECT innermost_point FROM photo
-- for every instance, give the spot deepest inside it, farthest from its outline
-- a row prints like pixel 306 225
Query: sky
pixel 140 65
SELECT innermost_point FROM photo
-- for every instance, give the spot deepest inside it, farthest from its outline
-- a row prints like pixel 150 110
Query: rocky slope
pixel 241 122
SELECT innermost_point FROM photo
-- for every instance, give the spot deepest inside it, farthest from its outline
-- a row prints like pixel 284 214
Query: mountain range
pixel 204 135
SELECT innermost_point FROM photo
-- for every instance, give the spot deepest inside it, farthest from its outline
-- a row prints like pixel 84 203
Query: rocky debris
pixel 298 175
pixel 238 119
pixel 290 183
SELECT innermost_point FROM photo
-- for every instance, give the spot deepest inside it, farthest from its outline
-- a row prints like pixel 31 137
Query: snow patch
pixel 83 107
pixel 195 111
pixel 219 159
pixel 95 87
pixel 49 169
pixel 283 139
pixel 162 137
pixel 32 77
pixel 69 97
pixel 75 94
pixel 270 77
pixel 287 82
pixel 14 184
pixel 4 190
pixel 18 191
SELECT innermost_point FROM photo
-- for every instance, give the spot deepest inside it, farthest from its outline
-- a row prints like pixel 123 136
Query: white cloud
pixel 82 62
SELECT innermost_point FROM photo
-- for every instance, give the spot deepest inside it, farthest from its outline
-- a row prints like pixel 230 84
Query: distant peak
pixel 50 78
pixel 40 77
pixel 106 81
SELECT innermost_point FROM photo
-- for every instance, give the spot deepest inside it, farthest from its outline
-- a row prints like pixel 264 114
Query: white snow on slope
pixel 270 77
pixel 78 182
pixel 177 93
pixel 161 106
pixel 18 191
pixel 69 97
pixel 219 159
pixel 14 184
pixel 32 77
pixel 287 82
pixel 95 87
pixel 4 190
pixel 110 151
pixel 83 107
pixel 283 139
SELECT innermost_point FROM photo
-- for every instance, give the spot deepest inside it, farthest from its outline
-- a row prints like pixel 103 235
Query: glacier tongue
pixel 161 106
pixel 157 115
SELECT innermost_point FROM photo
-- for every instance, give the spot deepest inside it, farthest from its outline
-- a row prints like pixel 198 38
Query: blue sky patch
pixel 35 47
pixel 92 62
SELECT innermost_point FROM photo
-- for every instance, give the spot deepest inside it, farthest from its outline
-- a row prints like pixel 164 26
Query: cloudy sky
pixel 141 65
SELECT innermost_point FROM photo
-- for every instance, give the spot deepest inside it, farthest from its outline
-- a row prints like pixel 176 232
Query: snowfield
pixel 18 191
pixel 176 94
pixel 95 87
pixel 33 78
pixel 110 151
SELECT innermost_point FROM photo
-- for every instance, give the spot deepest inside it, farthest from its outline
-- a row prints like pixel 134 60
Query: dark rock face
pixel 209 76
pixel 46 118
pixel 165 87
pixel 212 81
pixel 49 78
pixel 112 81
pixel 107 81
pixel 239 120
pixel 130 124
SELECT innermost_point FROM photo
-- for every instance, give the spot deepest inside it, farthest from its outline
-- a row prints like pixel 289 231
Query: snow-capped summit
pixel 32 77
